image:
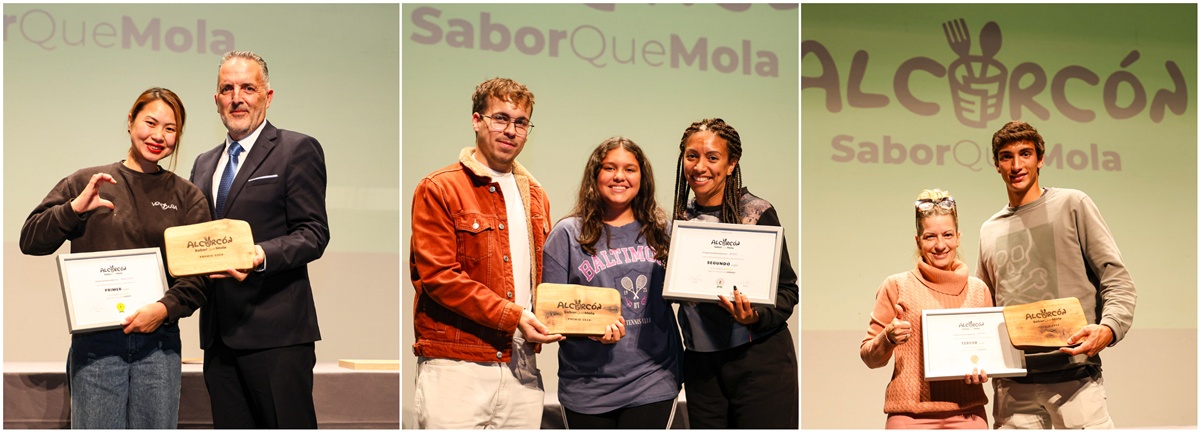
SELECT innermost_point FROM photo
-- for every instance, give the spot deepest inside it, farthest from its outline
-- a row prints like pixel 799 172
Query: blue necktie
pixel 227 178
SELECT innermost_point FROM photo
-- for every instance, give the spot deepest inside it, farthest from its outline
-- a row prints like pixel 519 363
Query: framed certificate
pixel 709 258
pixel 959 340
pixel 100 288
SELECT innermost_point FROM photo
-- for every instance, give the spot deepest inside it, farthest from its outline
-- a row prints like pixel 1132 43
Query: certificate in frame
pixel 709 259
pixel 101 288
pixel 955 341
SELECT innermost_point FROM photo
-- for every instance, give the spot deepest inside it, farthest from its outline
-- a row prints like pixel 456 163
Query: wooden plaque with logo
pixel 1048 323
pixel 577 310
pixel 210 247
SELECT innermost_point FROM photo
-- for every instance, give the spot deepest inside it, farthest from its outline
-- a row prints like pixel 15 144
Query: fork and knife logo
pixel 959 38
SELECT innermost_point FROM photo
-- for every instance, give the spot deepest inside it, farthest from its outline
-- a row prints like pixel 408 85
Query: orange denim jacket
pixel 458 261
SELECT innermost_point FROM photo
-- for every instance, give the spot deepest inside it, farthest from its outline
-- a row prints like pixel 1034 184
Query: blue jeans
pixel 121 381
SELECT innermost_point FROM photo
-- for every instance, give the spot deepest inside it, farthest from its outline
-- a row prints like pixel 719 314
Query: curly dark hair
pixel 589 205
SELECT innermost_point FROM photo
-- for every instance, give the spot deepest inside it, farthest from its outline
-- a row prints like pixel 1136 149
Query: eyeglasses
pixel 500 122
pixel 925 205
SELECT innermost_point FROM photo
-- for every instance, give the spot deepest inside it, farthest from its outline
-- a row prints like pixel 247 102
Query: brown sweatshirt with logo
pixel 145 204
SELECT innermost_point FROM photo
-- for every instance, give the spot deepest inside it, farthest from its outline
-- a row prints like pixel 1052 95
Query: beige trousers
pixel 456 394
pixel 1080 404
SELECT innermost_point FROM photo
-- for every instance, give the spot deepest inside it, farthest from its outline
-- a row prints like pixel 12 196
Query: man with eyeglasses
pixel 1052 243
pixel 476 254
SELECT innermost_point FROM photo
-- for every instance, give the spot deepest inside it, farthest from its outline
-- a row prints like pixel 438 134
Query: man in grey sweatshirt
pixel 1050 243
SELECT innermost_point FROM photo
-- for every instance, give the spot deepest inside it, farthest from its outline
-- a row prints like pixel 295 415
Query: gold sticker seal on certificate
pixel 710 259
pixel 577 310
pixel 957 341
pixel 99 288
pixel 1048 323
pixel 210 247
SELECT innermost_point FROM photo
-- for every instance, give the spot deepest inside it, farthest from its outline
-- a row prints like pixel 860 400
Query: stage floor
pixel 35 397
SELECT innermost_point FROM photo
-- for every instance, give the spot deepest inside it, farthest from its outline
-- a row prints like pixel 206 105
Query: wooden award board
pixel 360 364
pixel 1048 323
pixel 210 247
pixel 577 310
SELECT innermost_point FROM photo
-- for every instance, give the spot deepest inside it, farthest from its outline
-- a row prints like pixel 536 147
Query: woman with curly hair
pixel 616 238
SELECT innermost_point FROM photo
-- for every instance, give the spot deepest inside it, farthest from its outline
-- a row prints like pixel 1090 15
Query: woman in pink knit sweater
pixel 940 281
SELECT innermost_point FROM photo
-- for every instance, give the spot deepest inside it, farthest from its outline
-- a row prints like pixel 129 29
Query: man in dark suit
pixel 259 325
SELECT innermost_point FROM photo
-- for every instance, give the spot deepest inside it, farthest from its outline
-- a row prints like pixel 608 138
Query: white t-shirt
pixel 518 237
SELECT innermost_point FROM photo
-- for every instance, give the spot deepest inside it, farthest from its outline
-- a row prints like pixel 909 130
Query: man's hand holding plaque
pixel 1092 339
pixel 241 274
pixel 221 248
pixel 534 330
pixel 1053 323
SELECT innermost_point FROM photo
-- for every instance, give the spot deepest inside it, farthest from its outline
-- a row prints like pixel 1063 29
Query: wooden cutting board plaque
pixel 210 247
pixel 359 364
pixel 1048 323
pixel 577 310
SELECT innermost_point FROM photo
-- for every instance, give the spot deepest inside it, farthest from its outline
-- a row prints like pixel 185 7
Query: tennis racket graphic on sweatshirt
pixel 638 291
